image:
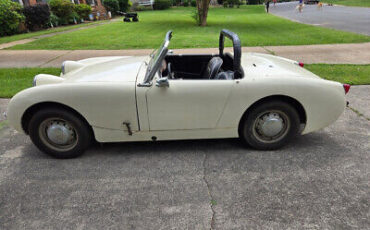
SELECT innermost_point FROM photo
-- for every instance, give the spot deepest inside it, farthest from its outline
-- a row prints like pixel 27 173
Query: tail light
pixel 301 64
pixel 346 87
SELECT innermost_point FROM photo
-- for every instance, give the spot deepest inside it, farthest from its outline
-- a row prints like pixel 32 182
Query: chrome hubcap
pixel 58 134
pixel 271 126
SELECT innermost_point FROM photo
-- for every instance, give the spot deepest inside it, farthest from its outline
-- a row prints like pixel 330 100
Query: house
pixel 96 5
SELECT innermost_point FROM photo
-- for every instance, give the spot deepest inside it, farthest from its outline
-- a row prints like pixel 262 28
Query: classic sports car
pixel 263 99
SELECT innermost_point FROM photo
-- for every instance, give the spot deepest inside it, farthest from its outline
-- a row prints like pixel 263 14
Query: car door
pixel 187 104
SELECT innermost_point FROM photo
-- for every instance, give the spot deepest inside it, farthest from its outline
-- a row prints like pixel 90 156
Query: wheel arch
pixel 28 114
pixel 290 100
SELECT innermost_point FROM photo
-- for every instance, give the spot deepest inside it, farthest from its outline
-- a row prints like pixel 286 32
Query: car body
pixel 170 97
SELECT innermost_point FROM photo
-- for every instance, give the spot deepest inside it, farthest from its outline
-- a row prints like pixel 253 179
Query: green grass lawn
pixel 350 74
pixel 251 23
pixel 13 80
pixel 365 3
pixel 17 37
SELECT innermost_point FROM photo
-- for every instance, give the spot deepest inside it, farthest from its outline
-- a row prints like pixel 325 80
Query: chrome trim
pixel 162 82
pixel 34 82
pixel 144 84
pixel 63 68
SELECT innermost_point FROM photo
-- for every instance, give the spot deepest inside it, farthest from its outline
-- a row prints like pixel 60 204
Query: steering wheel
pixel 170 74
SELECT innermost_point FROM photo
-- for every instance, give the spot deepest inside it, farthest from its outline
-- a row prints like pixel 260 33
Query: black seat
pixel 213 68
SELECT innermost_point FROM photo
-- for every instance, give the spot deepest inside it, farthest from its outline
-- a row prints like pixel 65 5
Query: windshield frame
pixel 156 59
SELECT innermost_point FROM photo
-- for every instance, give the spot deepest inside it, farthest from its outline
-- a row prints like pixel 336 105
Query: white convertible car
pixel 263 99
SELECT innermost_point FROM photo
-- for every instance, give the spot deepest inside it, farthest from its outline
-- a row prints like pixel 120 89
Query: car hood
pixel 103 69
pixel 265 65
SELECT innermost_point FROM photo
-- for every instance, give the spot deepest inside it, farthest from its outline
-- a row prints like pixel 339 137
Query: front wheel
pixel 270 125
pixel 59 133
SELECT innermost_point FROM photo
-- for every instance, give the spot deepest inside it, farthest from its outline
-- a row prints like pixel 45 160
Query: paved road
pixel 353 19
pixel 333 54
pixel 320 181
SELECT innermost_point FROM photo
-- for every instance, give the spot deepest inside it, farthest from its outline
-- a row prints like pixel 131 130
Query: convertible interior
pixel 199 66
pixel 222 66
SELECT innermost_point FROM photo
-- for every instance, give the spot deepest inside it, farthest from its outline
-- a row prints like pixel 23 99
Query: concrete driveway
pixel 352 19
pixel 320 181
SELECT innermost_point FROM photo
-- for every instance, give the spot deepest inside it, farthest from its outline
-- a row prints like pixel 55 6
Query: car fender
pixel 322 100
pixel 103 104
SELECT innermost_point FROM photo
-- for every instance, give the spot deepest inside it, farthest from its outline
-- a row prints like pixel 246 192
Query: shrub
pixel 136 7
pixel 111 5
pixel 186 4
pixel 220 2
pixel 124 5
pixel 37 16
pixel 193 3
pixel 54 20
pixel 10 17
pixel 225 4
pixel 61 8
pixel 162 4
pixel 73 18
pixel 83 11
pixel 255 2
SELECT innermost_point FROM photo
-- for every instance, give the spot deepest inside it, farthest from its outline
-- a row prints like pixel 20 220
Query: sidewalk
pixel 331 54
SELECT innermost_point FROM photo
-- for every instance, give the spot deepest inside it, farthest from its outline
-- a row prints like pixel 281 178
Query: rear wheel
pixel 59 133
pixel 270 125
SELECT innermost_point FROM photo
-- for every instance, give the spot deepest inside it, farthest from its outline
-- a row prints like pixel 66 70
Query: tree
pixel 202 12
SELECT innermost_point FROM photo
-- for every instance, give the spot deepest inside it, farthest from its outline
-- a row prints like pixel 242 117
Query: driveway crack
pixel 212 202
pixel 358 113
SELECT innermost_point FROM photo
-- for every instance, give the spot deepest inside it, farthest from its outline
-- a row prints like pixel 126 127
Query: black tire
pixel 78 131
pixel 280 112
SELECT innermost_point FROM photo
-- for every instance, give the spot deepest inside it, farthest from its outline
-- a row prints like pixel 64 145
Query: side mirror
pixel 162 82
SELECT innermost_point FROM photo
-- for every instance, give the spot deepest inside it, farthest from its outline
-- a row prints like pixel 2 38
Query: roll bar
pixel 237 50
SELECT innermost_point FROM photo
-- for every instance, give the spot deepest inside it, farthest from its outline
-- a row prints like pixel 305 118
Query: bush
pixel 10 17
pixel 83 11
pixel 225 4
pixel 54 20
pixel 111 5
pixel 61 8
pixel 162 4
pixel 73 18
pixel 186 4
pixel 124 5
pixel 193 3
pixel 37 16
pixel 220 2
pixel 255 2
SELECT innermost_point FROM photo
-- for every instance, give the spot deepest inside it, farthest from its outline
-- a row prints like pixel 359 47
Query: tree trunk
pixel 202 6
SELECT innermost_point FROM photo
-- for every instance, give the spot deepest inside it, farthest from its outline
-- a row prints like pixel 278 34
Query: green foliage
pixel 73 18
pixel 255 2
pixel 124 5
pixel 111 5
pixel 10 17
pixel 363 3
pixel 54 20
pixel 37 16
pixel 62 8
pixel 193 3
pixel 251 23
pixel 83 11
pixel 13 80
pixel 186 4
pixel 349 74
pixel 162 4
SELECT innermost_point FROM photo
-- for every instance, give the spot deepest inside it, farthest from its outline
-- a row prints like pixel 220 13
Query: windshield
pixel 156 58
